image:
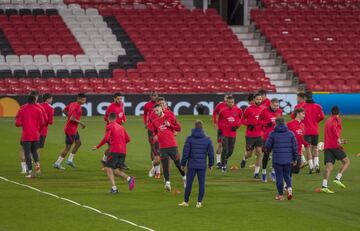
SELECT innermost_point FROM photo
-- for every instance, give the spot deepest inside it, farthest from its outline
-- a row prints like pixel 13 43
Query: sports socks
pixel 59 160
pixel 338 176
pixel 316 161
pixel 218 158
pixel 311 164
pixel 71 157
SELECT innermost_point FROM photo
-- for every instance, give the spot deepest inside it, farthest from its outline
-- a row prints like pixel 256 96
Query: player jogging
pixel 46 105
pixel 333 150
pixel 117 138
pixel 314 115
pixel 267 119
pixel 229 123
pixel 216 112
pixel 30 118
pixel 73 112
pixel 165 125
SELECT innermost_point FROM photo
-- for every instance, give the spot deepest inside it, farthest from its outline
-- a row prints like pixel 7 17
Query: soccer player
pixel 253 133
pixel 165 126
pixel 300 103
pixel 314 115
pixel 265 100
pixel 154 146
pixel 117 138
pixel 46 105
pixel 298 128
pixel 31 119
pixel 73 112
pixel 267 119
pixel 229 123
pixel 216 112
pixel 333 150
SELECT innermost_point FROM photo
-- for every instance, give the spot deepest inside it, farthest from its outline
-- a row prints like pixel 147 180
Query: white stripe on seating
pixel 76 203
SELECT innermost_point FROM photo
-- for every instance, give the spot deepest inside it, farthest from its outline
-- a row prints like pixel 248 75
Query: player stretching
pixel 154 146
pixel 30 118
pixel 267 119
pixel 314 115
pixel 253 133
pixel 333 150
pixel 165 125
pixel 46 105
pixel 73 112
pixel 216 112
pixel 116 107
pixel 117 138
pixel 229 123
pixel 298 128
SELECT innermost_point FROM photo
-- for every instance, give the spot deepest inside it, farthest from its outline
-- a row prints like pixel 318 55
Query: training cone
pixel 176 191
pixel 234 167
pixel 358 155
pixel 318 190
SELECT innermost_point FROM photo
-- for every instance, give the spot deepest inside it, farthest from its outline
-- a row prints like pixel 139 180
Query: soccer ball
pixel 321 146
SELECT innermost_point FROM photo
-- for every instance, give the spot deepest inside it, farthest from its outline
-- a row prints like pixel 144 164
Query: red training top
pixel 266 116
pixel 148 108
pixel 332 132
pixel 229 118
pixel 251 117
pixel 31 119
pixel 117 137
pixel 266 102
pixel 298 128
pixel 299 105
pixel 217 110
pixel 313 115
pixel 118 109
pixel 165 134
pixel 50 117
pixel 73 110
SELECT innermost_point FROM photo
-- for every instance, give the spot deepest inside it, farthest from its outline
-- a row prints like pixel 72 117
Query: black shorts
pixel 312 139
pixel 42 141
pixel 30 146
pixel 220 137
pixel 70 139
pixel 253 142
pixel 150 136
pixel 171 152
pixel 115 160
pixel 228 146
pixel 332 154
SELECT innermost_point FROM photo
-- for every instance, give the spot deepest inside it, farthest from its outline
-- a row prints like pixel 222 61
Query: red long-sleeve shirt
pixel 333 128
pixel 148 108
pixel 298 128
pixel 118 109
pixel 50 118
pixel 266 102
pixel 73 110
pixel 31 119
pixel 299 105
pixel 251 117
pixel 117 137
pixel 229 118
pixel 217 110
pixel 165 134
pixel 313 116
pixel 267 115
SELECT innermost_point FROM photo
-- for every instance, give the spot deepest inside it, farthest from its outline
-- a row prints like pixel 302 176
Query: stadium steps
pixel 266 58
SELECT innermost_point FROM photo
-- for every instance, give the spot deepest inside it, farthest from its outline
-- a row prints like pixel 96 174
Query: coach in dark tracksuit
pixel 196 150
pixel 283 144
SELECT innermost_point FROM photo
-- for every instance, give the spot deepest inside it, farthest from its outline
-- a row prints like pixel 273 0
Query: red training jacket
pixel 266 116
pixel 298 128
pixel 217 110
pixel 73 110
pixel 313 116
pixel 118 109
pixel 165 134
pixel 332 132
pixel 266 102
pixel 148 108
pixel 31 119
pixel 117 137
pixel 251 117
pixel 229 118
pixel 50 118
pixel 299 105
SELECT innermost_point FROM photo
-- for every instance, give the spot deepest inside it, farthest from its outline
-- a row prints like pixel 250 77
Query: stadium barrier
pixel 348 103
pixel 181 104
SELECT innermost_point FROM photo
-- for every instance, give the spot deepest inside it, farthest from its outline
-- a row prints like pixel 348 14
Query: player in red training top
pixel 148 110
pixel 229 123
pixel 30 118
pixel 117 138
pixel 314 115
pixel 333 150
pixel 216 112
pixel 300 103
pixel 267 120
pixel 118 108
pixel 253 133
pixel 73 112
pixel 165 126
pixel 298 128
pixel 44 115
pixel 47 98
pixel 265 100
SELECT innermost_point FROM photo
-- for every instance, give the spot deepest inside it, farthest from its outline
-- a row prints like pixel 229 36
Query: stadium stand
pixel 128 46
pixel 318 40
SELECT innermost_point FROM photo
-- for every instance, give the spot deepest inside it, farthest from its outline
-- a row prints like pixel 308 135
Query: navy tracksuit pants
pixel 190 176
pixel 282 172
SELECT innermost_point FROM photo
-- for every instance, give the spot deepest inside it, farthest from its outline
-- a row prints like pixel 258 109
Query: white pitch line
pixel 76 203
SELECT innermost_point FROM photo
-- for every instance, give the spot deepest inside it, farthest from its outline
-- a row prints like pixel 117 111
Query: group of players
pixel 162 127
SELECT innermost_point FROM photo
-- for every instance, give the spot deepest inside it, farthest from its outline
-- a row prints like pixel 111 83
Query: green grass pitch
pixel 232 202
